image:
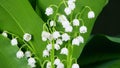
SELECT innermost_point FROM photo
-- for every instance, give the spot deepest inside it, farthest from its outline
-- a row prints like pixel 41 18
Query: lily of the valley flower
pixel 28 54
pixel 64 51
pixel 19 54
pixel 45 53
pixel 56 46
pixel 67 10
pixel 31 62
pixel 56 34
pixel 5 34
pixel 49 11
pixel 45 35
pixel 60 65
pixel 76 22
pixel 14 42
pixel 57 61
pixel 65 37
pixel 78 40
pixel 75 66
pixel 48 65
pixel 91 14
pixel 59 41
pixel 83 29
pixel 27 37
pixel 52 23
pixel 49 47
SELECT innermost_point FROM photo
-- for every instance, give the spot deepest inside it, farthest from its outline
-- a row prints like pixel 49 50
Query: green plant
pixel 35 30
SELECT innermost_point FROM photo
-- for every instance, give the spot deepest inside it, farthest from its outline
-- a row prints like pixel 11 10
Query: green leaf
pixel 8 57
pixel 99 50
pixel 95 5
pixel 18 17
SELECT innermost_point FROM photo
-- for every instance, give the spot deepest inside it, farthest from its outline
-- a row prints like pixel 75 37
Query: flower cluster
pixel 58 39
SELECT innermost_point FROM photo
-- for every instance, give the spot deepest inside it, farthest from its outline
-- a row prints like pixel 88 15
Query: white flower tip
pixel 56 34
pixel 65 37
pixel 56 46
pixel 67 10
pixel 14 42
pixel 49 11
pixel 52 23
pixel 19 54
pixel 83 29
pixel 27 37
pixel 75 66
pixel 57 61
pixel 76 22
pixel 28 54
pixel 91 14
pixel 45 53
pixel 4 33
pixel 31 62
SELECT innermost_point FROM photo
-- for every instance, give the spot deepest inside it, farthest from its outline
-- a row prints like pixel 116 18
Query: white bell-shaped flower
pixel 76 22
pixel 75 41
pixel 81 39
pixel 31 62
pixel 68 28
pixel 14 42
pixel 60 65
pixel 27 37
pixel 91 14
pixel 83 29
pixel 56 46
pixel 64 51
pixel 49 47
pixel 45 53
pixel 28 54
pixel 67 11
pixel 45 35
pixel 59 41
pixel 71 5
pixel 57 61
pixel 48 65
pixel 52 23
pixel 75 66
pixel 4 33
pixel 49 11
pixel 19 54
pixel 62 18
pixel 56 34
pixel 65 37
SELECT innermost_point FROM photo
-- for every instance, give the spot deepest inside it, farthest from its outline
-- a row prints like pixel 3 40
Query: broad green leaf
pixel 8 57
pixel 18 17
pixel 96 6
pixel 98 50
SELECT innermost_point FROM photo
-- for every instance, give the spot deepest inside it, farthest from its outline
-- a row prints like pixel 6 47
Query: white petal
pixel 68 29
pixel 14 42
pixel 67 10
pixel 48 65
pixel 65 37
pixel 91 14
pixel 83 29
pixel 59 41
pixel 57 61
pixel 64 51
pixel 52 23
pixel 60 65
pixel 49 47
pixel 56 34
pixel 19 54
pixel 75 66
pixel 5 34
pixel 28 54
pixel 49 11
pixel 75 41
pixel 76 22
pixel 45 35
pixel 45 53
pixel 31 61
pixel 56 46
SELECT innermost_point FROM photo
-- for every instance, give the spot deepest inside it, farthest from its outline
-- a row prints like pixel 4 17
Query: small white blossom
pixel 59 41
pixel 49 47
pixel 65 24
pixel 49 11
pixel 81 39
pixel 50 37
pixel 72 0
pixel 83 29
pixel 71 5
pixel 56 46
pixel 62 18
pixel 75 41
pixel 5 34
pixel 14 42
pixel 45 53
pixel 56 34
pixel 57 61
pixel 19 54
pixel 45 35
pixel 65 37
pixel 75 66
pixel 48 65
pixel 60 65
pixel 76 22
pixel 31 62
pixel 27 37
pixel 64 51
pixel 52 23
pixel 67 10
pixel 68 29
pixel 91 14
pixel 28 54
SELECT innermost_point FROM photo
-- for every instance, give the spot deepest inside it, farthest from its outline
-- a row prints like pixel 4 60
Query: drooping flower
pixel 27 37
pixel 65 37
pixel 91 14
pixel 14 42
pixel 67 10
pixel 57 61
pixel 45 53
pixel 60 65
pixel 83 29
pixel 71 5
pixel 81 39
pixel 75 66
pixel 49 47
pixel 56 34
pixel 31 62
pixel 28 54
pixel 45 35
pixel 75 41
pixel 52 23
pixel 76 22
pixel 62 18
pixel 68 28
pixel 64 51
pixel 59 41
pixel 48 65
pixel 19 54
pixel 56 46
pixel 4 33
pixel 49 11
